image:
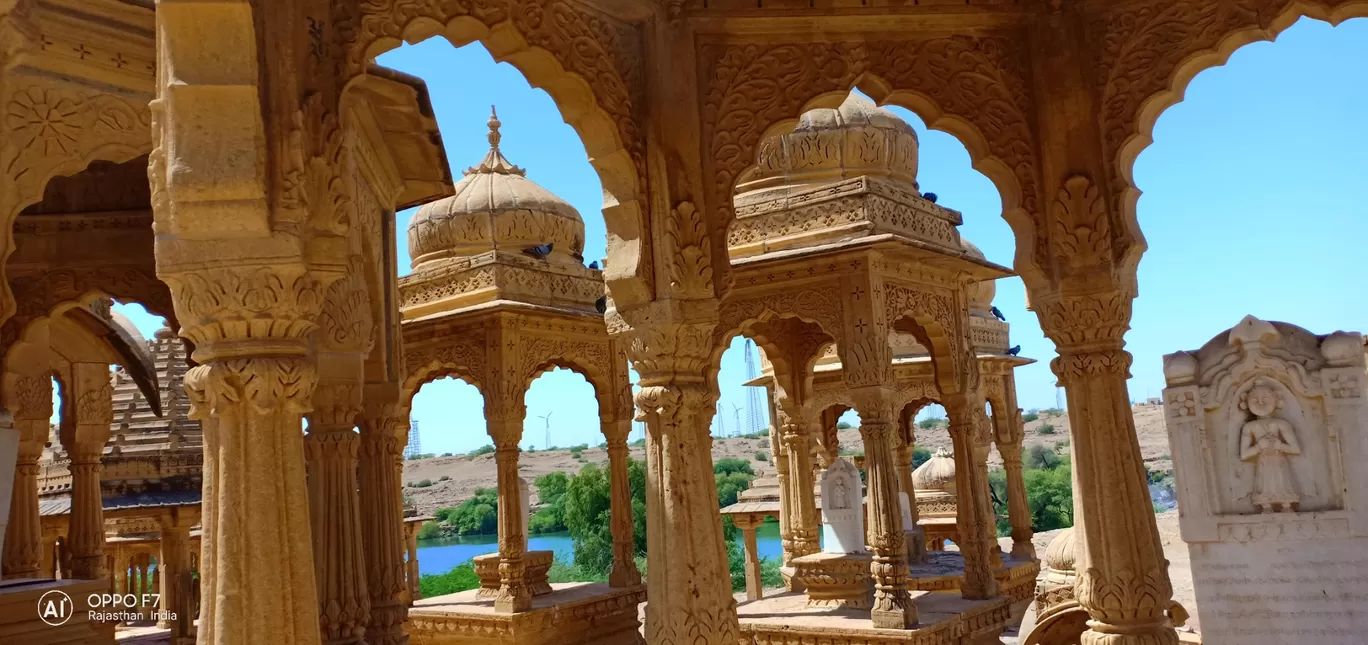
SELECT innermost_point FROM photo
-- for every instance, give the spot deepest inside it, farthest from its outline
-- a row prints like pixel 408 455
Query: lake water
pixel 441 556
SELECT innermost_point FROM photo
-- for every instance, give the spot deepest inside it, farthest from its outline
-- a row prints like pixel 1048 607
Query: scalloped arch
pixel 603 391
pixel 607 128
pixel 1128 138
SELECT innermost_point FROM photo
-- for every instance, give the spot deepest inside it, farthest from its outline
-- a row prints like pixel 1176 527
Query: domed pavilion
pixel 498 295
pixel 862 295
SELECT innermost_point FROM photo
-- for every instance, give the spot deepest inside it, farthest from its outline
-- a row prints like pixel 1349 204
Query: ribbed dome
pixel 938 473
pixel 495 206
pixel 980 294
pixel 1060 556
pixel 857 138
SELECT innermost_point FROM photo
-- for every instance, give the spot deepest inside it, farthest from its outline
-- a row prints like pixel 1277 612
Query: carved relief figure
pixel 1268 441
pixel 841 499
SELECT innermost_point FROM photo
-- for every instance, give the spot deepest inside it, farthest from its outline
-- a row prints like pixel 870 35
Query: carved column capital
pixel 336 406
pixel 1081 322
pixel 246 310
pixel 1073 366
pixel 266 384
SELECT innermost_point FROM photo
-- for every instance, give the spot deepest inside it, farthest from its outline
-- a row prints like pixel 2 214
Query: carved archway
pixel 1148 53
pixel 597 374
pixel 973 87
pixel 591 66
pixel 423 365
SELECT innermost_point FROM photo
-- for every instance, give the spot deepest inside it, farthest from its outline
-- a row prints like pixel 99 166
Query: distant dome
pixel 1060 555
pixel 857 138
pixel 981 293
pixel 495 206
pixel 938 473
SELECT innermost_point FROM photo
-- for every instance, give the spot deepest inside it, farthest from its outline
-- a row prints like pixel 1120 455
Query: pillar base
pixel 838 580
pixel 536 566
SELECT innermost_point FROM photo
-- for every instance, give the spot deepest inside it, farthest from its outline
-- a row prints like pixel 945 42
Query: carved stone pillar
pixel 893 607
pixel 781 469
pixel 384 432
pixel 173 567
pixel 624 572
pixel 967 433
pixel 29 398
pixel 91 394
pixel 802 508
pixel 687 579
pixel 331 450
pixel 1123 577
pixel 916 550
pixel 755 588
pixel 415 590
pixel 514 595
pixel 1018 509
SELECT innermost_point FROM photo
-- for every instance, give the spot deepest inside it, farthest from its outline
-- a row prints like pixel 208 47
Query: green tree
pixel 731 465
pixel 478 515
pixel 1040 457
pixel 550 517
pixel 587 509
pixel 588 517
pixel 930 422
pixel 920 456
pixel 843 425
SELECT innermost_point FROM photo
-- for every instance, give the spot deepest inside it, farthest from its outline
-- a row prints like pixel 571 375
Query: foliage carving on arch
pixel 465 360
pixel 54 130
pixel 1147 52
pixel 979 82
pixel 605 53
pixel 38 294
pixel 591 358
pixel 813 303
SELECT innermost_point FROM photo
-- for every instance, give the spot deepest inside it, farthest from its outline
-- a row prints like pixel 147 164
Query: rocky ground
pixel 466 473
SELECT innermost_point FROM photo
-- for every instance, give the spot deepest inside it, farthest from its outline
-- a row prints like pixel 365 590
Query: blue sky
pixel 1254 203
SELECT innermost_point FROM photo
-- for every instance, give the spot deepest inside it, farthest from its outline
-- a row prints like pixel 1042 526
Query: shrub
pixel 482 450
pixel 1052 412
pixel 1030 416
pixel 843 425
pixel 478 515
pixel 429 531
pixel 1038 457
pixel 920 456
pixel 446 454
pixel 732 465
pixel 638 443
pixel 761 456
pixel 930 422
pixel 422 483
pixel 461 578
pixel 1047 429
pixel 444 478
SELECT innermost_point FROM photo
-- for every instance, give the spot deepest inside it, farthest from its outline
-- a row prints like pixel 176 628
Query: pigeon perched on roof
pixel 1014 350
pixel 540 251
pixel 601 304
pixel 594 264
pixel 998 313
pixel 930 197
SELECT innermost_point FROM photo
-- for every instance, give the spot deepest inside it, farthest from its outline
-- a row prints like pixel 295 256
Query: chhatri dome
pixel 496 207
pixel 856 139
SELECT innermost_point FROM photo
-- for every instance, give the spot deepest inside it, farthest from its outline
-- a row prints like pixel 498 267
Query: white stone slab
pixel 842 509
pixel 1268 425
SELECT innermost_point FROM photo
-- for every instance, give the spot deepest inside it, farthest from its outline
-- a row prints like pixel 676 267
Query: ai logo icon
pixel 55 608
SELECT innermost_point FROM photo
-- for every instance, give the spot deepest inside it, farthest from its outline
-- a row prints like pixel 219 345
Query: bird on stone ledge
pixel 601 304
pixel 594 264
pixel 998 313
pixel 930 197
pixel 1014 350
pixel 540 252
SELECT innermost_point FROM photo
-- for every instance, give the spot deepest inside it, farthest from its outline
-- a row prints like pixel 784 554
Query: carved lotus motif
pixel 46 118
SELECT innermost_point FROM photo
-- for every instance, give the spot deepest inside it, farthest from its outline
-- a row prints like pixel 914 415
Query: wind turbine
pixel 547 418
pixel 736 412
pixel 721 421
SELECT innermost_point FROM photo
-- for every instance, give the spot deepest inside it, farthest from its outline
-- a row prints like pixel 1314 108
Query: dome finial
pixel 494 124
pixel 494 161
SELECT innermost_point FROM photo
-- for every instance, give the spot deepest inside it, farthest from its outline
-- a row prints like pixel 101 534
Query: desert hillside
pixel 465 474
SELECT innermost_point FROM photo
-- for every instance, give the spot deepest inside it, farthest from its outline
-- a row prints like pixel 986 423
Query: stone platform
pixel 21 624
pixel 588 613
pixel 945 619
pixel 944 571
